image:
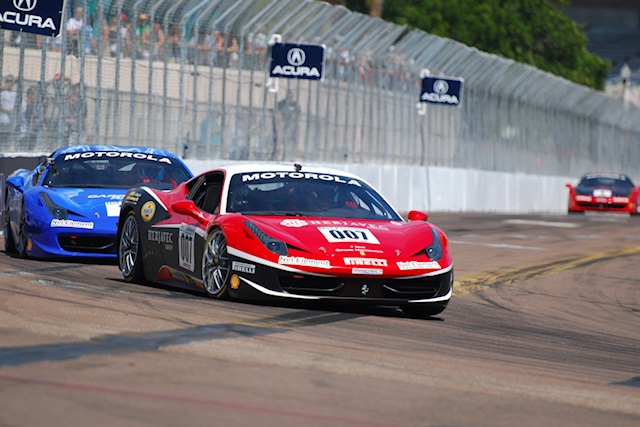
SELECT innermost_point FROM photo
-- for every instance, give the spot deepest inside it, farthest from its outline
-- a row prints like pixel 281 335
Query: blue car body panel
pixel 88 227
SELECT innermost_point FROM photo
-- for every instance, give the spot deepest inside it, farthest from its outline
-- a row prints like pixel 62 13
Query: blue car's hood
pixel 91 202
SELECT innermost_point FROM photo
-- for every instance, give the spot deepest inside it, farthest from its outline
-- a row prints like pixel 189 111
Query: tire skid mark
pixel 483 281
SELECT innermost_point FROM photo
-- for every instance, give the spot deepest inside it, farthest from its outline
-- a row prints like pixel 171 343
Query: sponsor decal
pixel 147 211
pixel 367 271
pixel 133 197
pixel 243 267
pixel 71 224
pixel 297 223
pixel 235 281
pixel 417 265
pixel 620 200
pixel 113 208
pixel 362 250
pixel 343 223
pixel 298 175
pixel 112 154
pixel 348 235
pixel 106 196
pixel 298 260
pixel 160 236
pixel 583 198
pixel 373 262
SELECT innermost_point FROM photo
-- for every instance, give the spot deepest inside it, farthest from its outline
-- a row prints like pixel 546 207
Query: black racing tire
pixel 9 244
pixel 21 243
pixel 576 212
pixel 130 250
pixel 423 310
pixel 216 265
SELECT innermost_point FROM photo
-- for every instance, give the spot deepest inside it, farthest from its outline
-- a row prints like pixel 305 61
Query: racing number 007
pixel 186 247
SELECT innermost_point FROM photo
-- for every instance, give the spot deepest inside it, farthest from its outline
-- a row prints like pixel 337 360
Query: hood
pixel 344 237
pixel 90 202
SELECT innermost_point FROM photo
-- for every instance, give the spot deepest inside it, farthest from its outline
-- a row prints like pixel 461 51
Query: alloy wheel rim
pixel 128 249
pixel 215 264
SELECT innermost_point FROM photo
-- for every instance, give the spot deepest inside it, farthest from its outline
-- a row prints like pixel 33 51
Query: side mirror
pixel 568 185
pixel 417 216
pixel 189 208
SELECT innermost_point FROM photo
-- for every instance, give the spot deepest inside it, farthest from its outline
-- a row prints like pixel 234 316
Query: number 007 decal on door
pixel 186 246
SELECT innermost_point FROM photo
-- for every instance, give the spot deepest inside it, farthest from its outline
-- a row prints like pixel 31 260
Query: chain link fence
pixel 191 76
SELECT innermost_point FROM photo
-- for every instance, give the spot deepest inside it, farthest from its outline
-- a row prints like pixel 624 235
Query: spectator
pixel 31 119
pixel 227 48
pixel 143 33
pixel 200 48
pixel 89 37
pixel 8 99
pixel 74 25
pixel 75 118
pixel 158 41
pixel 173 43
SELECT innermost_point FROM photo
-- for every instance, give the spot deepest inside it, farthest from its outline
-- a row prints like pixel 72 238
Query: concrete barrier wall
pixel 439 189
pixel 430 189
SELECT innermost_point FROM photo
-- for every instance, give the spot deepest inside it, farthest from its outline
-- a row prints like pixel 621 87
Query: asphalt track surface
pixel 543 330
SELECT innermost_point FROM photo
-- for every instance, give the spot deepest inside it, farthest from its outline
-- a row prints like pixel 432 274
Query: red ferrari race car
pixel 604 192
pixel 268 231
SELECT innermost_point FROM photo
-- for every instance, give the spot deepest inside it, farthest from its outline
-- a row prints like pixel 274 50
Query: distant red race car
pixel 604 192
pixel 275 231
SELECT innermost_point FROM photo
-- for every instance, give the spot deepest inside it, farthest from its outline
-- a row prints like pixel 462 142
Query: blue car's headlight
pixel 57 211
pixel 274 245
pixel 434 250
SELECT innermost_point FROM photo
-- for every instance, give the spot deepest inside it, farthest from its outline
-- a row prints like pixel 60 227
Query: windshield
pixel 306 194
pixel 115 172
pixel 618 182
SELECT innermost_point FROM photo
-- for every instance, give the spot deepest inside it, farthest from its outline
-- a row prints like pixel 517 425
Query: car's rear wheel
pixel 216 265
pixel 9 245
pixel 423 310
pixel 130 250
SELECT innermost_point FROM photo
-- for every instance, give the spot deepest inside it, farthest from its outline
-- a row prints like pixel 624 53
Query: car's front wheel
pixel 21 242
pixel 9 245
pixel 216 265
pixel 130 250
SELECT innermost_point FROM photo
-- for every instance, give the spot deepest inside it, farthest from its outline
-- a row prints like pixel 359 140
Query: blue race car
pixel 69 205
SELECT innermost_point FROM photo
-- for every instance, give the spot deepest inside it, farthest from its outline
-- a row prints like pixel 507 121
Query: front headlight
pixel 57 211
pixel 434 250
pixel 274 245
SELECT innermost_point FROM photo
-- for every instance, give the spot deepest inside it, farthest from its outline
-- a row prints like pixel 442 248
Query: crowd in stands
pixel 121 35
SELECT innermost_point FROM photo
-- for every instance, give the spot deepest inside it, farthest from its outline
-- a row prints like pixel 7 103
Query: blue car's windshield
pixel 115 172
pixel 306 194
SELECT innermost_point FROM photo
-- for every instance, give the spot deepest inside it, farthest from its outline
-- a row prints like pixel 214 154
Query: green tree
pixel 534 32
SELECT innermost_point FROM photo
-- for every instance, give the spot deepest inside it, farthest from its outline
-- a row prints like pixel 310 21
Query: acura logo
pixel 296 57
pixel 440 86
pixel 25 5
